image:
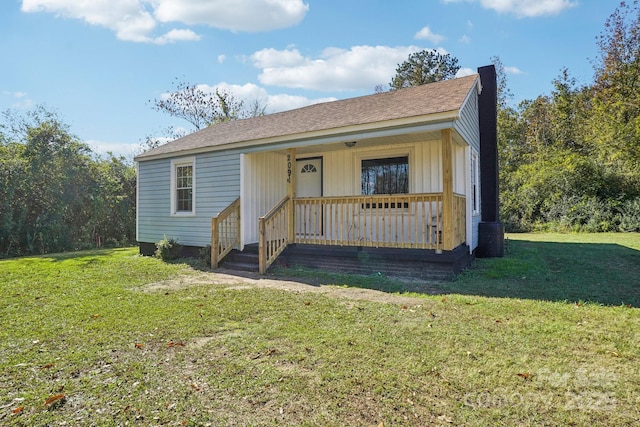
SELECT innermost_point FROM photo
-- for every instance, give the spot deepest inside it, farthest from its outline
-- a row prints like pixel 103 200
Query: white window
pixel 183 187
pixel 475 183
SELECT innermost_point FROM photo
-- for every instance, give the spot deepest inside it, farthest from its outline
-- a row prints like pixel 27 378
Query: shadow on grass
pixel 90 256
pixel 601 273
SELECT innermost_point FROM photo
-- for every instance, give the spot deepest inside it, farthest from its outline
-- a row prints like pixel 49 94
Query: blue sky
pixel 99 62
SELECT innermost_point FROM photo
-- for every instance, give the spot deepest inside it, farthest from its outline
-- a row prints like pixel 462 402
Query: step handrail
pixel 273 229
pixel 225 232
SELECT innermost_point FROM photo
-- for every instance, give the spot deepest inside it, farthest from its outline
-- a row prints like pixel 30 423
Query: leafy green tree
pixel 616 102
pixel 571 160
pixel 424 67
pixel 56 195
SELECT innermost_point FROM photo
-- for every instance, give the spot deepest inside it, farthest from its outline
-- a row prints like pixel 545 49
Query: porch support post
pixel 291 192
pixel 214 243
pixel 447 189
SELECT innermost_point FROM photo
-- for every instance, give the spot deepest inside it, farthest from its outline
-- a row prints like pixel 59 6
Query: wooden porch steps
pixel 246 260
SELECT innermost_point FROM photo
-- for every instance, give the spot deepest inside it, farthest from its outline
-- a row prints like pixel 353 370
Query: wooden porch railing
pixel 399 220
pixel 225 232
pixel 273 234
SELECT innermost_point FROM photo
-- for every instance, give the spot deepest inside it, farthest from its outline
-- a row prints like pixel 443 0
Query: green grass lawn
pixel 547 335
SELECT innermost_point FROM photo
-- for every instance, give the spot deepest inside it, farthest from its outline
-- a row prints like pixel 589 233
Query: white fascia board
pixel 430 122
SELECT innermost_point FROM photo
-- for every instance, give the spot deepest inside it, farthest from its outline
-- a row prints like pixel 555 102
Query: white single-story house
pixel 399 170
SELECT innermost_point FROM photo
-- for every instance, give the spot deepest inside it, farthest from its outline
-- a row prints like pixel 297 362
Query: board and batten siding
pixel 263 185
pixel 341 168
pixel 217 184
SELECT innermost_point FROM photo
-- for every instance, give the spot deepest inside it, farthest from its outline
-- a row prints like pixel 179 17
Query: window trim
pixel 407 152
pixel 382 154
pixel 398 163
pixel 475 183
pixel 175 164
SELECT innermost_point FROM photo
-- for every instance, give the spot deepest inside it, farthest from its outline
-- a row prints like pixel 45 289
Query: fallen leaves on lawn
pixel 47 366
pixel 55 400
pixel 613 353
pixel 175 344
pixel 17 410
pixel 269 352
pixel 525 375
pixel 138 345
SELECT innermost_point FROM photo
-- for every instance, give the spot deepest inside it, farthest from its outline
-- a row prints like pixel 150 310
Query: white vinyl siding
pixel 469 129
pixel 468 126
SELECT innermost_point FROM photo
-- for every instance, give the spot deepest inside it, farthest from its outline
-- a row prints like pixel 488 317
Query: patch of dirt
pixel 242 281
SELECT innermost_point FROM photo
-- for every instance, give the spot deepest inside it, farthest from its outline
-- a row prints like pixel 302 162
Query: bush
pixel 630 215
pixel 580 213
pixel 168 249
pixel 205 255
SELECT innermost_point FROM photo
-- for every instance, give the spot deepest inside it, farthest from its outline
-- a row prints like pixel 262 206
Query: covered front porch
pixel 416 219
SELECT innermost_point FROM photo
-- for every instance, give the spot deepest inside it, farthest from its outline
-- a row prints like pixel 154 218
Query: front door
pixel 309 184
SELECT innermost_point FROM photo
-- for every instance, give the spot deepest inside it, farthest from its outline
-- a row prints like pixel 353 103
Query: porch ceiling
pixel 404 138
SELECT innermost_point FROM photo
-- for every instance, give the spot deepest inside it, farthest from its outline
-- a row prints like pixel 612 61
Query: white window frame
pixel 475 182
pixel 175 164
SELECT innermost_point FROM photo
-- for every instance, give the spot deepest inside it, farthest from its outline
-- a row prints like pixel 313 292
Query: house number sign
pixel 289 168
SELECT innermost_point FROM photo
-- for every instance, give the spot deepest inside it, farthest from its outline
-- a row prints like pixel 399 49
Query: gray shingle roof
pixel 429 99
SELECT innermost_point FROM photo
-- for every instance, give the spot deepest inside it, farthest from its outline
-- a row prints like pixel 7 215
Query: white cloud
pixel 465 39
pixel 237 15
pixel 177 35
pixel 270 58
pixel 136 20
pixel 427 34
pixel 250 93
pixel 359 68
pixel 513 70
pixel 128 18
pixel 462 72
pixel 116 148
pixel 20 100
pixel 524 8
pixel 222 58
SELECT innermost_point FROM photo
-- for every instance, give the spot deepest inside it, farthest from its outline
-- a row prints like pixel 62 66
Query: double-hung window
pixel 183 187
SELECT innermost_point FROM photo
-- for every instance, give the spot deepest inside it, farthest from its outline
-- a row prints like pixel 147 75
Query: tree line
pixel 56 194
pixel 570 161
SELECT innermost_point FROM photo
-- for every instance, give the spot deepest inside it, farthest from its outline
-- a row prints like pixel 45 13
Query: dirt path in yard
pixel 232 280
